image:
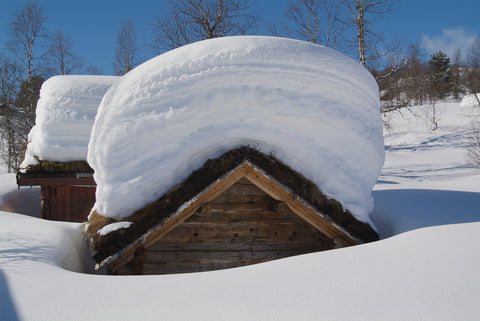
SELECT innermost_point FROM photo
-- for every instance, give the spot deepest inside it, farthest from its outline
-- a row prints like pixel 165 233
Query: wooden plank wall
pixel 67 203
pixel 241 226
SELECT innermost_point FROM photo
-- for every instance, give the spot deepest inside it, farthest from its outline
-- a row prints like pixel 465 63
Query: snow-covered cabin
pixel 234 151
pixel 56 154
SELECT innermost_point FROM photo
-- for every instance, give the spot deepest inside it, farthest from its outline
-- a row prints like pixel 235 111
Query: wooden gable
pixel 242 219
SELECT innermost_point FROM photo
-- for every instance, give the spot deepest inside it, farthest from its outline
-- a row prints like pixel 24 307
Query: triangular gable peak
pixel 332 234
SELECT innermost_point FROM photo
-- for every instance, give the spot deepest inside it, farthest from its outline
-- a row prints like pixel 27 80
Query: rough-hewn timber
pixel 241 226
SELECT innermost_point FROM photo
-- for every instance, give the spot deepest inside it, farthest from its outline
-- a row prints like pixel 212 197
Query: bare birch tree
pixel 61 57
pixel 472 77
pixel 194 20
pixel 362 14
pixel 126 51
pixel 26 30
pixel 27 35
pixel 316 21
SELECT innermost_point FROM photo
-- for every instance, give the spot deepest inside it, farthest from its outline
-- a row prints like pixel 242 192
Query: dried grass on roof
pixel 46 167
pixel 156 212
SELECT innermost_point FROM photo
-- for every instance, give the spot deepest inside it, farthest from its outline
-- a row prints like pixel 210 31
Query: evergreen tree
pixel 440 80
pixel 10 79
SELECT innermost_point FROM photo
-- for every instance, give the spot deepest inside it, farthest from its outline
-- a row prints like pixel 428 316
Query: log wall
pixel 67 203
pixel 241 226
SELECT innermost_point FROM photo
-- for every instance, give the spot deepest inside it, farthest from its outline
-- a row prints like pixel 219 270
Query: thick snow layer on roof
pixel 311 107
pixel 64 117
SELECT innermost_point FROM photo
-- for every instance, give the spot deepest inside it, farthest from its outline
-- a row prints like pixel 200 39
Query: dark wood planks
pixel 27 181
pixel 245 207
pixel 67 203
pixel 241 226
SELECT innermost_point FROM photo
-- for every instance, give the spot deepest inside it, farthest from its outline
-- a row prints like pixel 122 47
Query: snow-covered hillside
pixel 416 274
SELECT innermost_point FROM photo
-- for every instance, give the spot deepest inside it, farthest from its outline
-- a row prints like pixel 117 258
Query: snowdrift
pixel 64 118
pixel 470 100
pixel 427 274
pixel 312 108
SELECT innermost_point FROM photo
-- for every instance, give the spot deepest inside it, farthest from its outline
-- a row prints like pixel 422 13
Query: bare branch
pixel 393 69
pixel 362 13
pixel 25 30
pixel 316 21
pixel 193 20
pixel 126 50
pixel 61 58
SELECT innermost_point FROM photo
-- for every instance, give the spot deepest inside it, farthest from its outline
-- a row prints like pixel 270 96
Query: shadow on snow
pixel 402 210
pixel 8 310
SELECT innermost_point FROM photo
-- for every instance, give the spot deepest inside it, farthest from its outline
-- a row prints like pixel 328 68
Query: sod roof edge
pixel 155 212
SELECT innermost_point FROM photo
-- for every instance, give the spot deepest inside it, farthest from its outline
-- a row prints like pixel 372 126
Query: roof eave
pixel 256 176
pixel 40 179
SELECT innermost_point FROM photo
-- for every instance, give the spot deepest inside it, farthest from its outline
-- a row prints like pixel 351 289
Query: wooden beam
pixel 66 181
pixel 209 194
pixel 196 257
pixel 279 193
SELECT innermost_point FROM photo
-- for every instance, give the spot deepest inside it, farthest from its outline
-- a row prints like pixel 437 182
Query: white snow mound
pixel 64 117
pixel 470 100
pixel 311 107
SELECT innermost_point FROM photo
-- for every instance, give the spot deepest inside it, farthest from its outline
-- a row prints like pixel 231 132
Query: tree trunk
pixel 361 35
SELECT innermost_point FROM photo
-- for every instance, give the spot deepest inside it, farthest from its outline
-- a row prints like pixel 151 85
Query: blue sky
pixel 92 24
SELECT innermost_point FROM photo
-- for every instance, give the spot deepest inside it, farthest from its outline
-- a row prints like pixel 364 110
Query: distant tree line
pixel 33 54
pixel 419 81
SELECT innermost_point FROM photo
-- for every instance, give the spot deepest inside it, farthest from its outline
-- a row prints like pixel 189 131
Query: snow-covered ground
pixel 426 179
pixel 413 273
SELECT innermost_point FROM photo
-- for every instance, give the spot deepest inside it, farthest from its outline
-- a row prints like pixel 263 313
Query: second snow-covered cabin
pixel 56 153
pixel 234 151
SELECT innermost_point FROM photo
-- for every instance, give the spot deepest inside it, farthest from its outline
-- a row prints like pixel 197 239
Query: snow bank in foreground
pixel 312 107
pixel 65 114
pixel 428 274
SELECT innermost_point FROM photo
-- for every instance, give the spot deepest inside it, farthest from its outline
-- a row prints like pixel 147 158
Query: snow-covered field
pixel 413 273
